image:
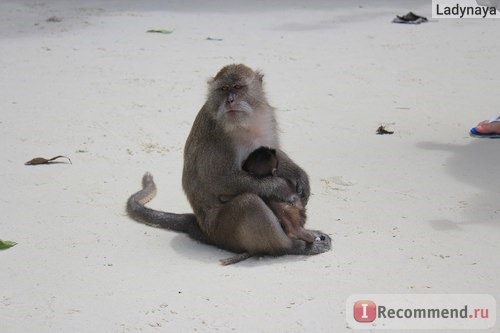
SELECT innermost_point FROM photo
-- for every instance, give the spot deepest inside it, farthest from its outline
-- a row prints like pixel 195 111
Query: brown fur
pixel 235 120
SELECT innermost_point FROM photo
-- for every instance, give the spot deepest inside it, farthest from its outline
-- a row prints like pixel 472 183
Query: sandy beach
pixel 415 212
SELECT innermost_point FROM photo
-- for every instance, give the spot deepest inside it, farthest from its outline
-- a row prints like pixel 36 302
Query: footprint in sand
pixel 335 183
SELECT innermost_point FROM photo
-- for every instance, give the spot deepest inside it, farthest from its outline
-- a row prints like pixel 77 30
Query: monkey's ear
pixel 211 84
pixel 260 76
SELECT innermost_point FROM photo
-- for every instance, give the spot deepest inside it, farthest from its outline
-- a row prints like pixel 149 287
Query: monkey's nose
pixel 230 98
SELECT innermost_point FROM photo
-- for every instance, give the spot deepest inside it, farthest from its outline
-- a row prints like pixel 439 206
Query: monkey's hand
pixel 284 191
pixel 303 189
pixel 289 170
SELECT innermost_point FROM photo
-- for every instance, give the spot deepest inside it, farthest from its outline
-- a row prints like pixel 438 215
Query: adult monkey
pixel 235 120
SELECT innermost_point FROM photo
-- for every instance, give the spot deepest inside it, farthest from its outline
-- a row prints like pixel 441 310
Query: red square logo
pixel 365 311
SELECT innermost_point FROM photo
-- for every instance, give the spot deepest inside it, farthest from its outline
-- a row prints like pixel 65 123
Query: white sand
pixel 415 212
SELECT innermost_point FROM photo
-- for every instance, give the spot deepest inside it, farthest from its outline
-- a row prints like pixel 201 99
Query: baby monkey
pixel 263 162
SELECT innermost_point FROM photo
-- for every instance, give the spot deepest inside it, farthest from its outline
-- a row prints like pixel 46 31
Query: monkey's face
pixel 237 93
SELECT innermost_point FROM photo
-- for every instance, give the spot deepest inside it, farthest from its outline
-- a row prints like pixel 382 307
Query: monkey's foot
pixel 322 243
pixel 303 234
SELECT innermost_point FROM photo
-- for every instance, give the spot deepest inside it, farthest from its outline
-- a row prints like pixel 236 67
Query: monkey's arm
pixel 288 169
pixel 229 181
pixel 242 182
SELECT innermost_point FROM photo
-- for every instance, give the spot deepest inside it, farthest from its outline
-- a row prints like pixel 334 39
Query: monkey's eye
pixel 237 87
pixel 224 88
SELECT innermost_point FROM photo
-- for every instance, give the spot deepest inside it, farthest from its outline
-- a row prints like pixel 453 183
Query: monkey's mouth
pixel 233 113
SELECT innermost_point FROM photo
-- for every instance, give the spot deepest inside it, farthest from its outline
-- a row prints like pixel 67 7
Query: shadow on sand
pixel 476 164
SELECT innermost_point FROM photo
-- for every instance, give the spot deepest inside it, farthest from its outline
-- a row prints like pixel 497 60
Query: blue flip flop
pixel 473 132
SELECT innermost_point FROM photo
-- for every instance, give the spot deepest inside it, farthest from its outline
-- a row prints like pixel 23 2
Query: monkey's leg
pixel 247 224
pixel 287 217
pixel 305 234
pixel 292 221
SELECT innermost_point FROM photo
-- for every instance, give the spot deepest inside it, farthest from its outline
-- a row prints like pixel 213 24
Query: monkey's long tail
pixel 176 222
